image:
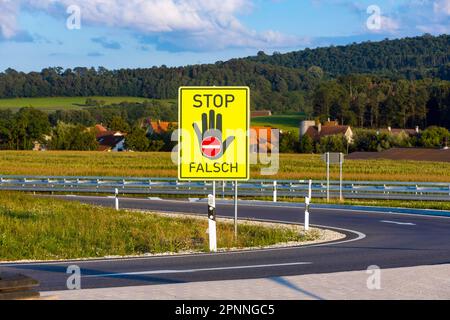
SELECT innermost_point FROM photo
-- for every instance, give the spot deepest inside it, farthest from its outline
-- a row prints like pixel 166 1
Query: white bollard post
pixel 307 201
pixel 310 190
pixel 116 199
pixel 212 223
pixel 275 191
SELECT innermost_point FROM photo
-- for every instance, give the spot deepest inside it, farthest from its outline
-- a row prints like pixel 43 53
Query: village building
pixel 111 141
pixel 159 127
pixel 261 113
pixel 316 130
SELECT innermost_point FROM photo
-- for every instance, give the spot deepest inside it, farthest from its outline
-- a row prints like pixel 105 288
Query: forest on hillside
pixel 410 58
pixel 373 84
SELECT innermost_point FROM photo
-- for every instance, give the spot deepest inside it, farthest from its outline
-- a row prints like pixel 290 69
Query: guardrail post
pixel 275 191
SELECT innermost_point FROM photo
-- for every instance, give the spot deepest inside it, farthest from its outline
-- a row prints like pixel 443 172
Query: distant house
pixel 111 143
pixel 261 113
pixel 330 128
pixel 261 139
pixel 159 127
pixel 41 146
pixel 109 140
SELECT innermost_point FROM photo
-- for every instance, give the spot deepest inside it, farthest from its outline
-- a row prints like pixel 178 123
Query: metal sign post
pixel 235 209
pixel 212 223
pixel 334 158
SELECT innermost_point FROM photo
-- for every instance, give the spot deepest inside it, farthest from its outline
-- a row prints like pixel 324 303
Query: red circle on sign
pixel 211 147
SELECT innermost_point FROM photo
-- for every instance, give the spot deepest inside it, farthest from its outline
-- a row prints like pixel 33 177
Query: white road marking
pixel 399 223
pixel 197 270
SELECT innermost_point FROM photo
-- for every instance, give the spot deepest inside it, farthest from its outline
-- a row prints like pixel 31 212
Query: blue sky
pixel 35 34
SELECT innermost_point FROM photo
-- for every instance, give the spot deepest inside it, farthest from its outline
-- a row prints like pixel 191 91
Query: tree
pixel 306 144
pixel 334 143
pixel 118 124
pixel 73 137
pixel 288 142
pixel 434 137
pixel 29 126
pixel 137 140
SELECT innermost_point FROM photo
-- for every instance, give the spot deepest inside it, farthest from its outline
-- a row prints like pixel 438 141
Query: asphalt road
pixel 382 239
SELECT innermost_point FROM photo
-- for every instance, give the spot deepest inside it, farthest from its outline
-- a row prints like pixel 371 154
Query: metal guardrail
pixel 253 188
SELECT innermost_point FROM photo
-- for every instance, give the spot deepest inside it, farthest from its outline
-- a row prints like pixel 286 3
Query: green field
pixel 292 166
pixel 282 122
pixel 57 103
pixel 49 229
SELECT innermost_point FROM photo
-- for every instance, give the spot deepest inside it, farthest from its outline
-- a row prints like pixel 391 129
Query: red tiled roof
pixel 100 128
pixel 261 137
pixel 161 126
pixel 314 133
pixel 256 134
pixel 261 113
pixel 332 130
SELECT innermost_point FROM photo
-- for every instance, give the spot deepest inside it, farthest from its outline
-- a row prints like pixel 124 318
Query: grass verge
pixel 407 204
pixel 48 229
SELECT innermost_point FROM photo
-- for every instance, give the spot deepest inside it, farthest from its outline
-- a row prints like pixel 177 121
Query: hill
pixel 373 84
pixel 409 57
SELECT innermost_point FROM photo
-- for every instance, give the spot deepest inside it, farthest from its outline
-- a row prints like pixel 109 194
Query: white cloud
pixel 442 7
pixel 191 24
pixel 8 23
pixel 389 25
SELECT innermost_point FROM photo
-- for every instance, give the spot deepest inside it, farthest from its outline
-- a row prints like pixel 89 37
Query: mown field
pixel 60 103
pixel 292 166
pixel 48 229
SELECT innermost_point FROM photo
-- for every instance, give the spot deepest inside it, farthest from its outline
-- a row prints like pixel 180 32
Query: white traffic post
pixel 275 191
pixel 212 223
pixel 307 203
pixel 116 192
pixel 341 161
pixel 328 177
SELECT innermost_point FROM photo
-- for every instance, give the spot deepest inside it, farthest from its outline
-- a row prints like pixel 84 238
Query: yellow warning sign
pixel 213 133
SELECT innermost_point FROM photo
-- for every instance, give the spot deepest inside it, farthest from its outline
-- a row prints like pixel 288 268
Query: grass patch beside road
pixel 292 166
pixel 408 204
pixel 49 229
pixel 432 205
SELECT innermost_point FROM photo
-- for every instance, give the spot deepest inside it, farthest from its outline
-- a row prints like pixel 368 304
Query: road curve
pixel 382 239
